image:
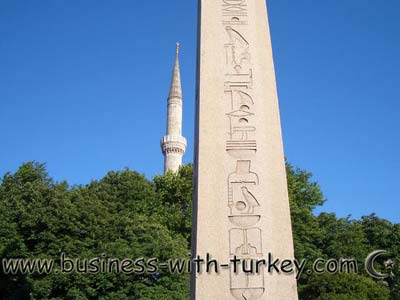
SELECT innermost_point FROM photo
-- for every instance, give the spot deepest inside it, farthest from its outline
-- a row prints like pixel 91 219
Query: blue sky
pixel 83 87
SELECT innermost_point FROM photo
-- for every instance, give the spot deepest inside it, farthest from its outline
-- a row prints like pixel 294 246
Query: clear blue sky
pixel 83 87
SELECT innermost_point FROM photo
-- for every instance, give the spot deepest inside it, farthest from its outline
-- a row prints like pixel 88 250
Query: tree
pixel 116 217
pixel 344 287
pixel 326 236
pixel 125 215
pixel 175 191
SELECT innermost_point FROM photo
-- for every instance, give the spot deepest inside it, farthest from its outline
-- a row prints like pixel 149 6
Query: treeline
pixel 125 215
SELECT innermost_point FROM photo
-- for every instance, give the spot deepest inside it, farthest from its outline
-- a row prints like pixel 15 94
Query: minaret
pixel 173 145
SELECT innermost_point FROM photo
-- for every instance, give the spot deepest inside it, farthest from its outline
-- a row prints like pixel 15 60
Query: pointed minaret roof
pixel 176 87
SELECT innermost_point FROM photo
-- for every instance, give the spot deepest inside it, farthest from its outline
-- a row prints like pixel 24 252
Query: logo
pixel 371 268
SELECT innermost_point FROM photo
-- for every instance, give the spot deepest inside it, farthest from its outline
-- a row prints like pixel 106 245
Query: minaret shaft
pixel 174 123
pixel 173 145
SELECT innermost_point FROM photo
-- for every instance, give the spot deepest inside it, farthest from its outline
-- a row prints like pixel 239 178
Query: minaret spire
pixel 176 86
pixel 173 145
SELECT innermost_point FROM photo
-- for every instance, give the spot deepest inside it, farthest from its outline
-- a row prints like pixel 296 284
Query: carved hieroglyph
pixel 241 205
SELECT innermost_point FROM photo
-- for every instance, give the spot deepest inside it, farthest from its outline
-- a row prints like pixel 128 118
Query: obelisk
pixel 241 205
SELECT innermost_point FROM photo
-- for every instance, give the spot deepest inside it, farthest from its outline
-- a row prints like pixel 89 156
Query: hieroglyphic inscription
pixel 234 8
pixel 244 201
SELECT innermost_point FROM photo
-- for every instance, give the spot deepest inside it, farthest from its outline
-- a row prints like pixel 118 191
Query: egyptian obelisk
pixel 241 205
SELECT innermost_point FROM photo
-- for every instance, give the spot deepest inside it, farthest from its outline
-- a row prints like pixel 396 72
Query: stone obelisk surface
pixel 241 205
pixel 173 144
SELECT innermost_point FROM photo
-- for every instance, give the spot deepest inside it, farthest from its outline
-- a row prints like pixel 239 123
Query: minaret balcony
pixel 173 144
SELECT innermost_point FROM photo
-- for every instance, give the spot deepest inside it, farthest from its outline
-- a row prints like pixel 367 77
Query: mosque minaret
pixel 173 144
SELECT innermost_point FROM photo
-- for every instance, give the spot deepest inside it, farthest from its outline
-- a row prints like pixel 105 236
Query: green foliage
pixel 125 215
pixel 118 216
pixel 175 193
pixel 304 197
pixel 344 287
pixel 326 236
